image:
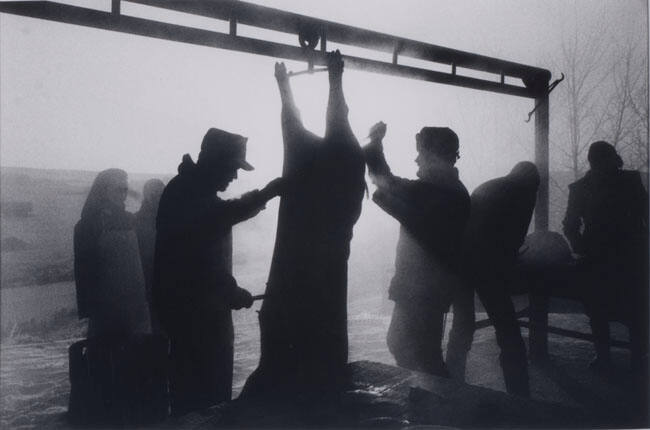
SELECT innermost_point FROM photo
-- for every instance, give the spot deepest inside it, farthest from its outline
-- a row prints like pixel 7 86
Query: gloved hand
pixel 241 299
pixel 377 131
pixel 274 188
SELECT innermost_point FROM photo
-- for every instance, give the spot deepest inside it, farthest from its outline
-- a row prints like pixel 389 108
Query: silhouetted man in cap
pixel 500 214
pixel 194 290
pixel 606 222
pixel 433 211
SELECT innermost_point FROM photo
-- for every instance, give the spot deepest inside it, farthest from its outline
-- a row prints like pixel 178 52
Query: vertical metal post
pixel 323 40
pixel 396 51
pixel 233 26
pixel 115 7
pixel 541 160
pixel 538 313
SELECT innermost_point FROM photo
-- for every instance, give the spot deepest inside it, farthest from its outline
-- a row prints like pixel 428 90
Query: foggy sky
pixel 82 98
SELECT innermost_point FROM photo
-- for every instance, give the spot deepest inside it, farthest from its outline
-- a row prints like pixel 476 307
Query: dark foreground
pixel 566 393
pixel 381 395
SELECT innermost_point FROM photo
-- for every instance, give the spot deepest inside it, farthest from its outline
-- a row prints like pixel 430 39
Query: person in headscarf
pixel 606 223
pixel 193 289
pixel 145 224
pixel 108 273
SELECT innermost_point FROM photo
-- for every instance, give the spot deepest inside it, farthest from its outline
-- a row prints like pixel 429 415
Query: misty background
pixel 75 100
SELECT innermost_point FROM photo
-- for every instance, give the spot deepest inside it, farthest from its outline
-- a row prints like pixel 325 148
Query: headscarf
pixel 603 157
pixel 97 199
pixel 151 193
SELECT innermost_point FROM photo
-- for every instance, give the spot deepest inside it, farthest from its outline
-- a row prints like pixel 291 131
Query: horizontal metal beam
pixel 576 334
pixel 487 322
pixel 279 20
pixel 178 33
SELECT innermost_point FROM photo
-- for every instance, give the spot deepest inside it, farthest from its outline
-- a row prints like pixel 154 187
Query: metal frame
pixel 535 80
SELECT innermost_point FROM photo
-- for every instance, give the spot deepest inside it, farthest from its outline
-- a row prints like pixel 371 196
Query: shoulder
pixel 580 184
pixel 86 232
pixel 175 185
pixel 176 189
pixel 490 188
pixel 461 191
pixel 456 193
pixel 453 192
pixel 631 176
pixel 87 227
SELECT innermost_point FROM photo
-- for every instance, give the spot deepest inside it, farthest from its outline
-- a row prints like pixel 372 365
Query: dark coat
pixel 607 216
pixel 500 215
pixel 145 227
pixel 607 222
pixel 193 261
pixel 108 275
pixel 193 289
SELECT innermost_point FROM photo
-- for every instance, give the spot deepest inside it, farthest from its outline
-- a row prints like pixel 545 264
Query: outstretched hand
pixel 377 131
pixel 242 299
pixel 274 188
pixel 335 63
pixel 281 72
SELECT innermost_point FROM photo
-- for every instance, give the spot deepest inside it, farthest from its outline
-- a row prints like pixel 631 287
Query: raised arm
pixel 396 196
pixel 373 152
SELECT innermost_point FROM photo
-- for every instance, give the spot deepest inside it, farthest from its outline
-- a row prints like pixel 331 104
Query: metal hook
pixel 548 91
pixel 310 71
pixel 308 37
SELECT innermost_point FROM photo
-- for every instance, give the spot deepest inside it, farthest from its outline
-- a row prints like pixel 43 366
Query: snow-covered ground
pixel 35 386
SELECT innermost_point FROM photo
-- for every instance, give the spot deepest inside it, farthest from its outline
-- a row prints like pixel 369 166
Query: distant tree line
pixel 604 95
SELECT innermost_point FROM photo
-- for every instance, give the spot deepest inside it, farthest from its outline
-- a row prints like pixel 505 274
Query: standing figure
pixel 501 212
pixel 108 273
pixel 193 288
pixel 606 222
pixel 433 211
pixel 303 320
pixel 145 227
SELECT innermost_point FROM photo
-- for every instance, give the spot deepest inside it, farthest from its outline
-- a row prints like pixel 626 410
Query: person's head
pixel 151 193
pixel 222 154
pixel 108 191
pixel 525 173
pixel 603 157
pixel 437 147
